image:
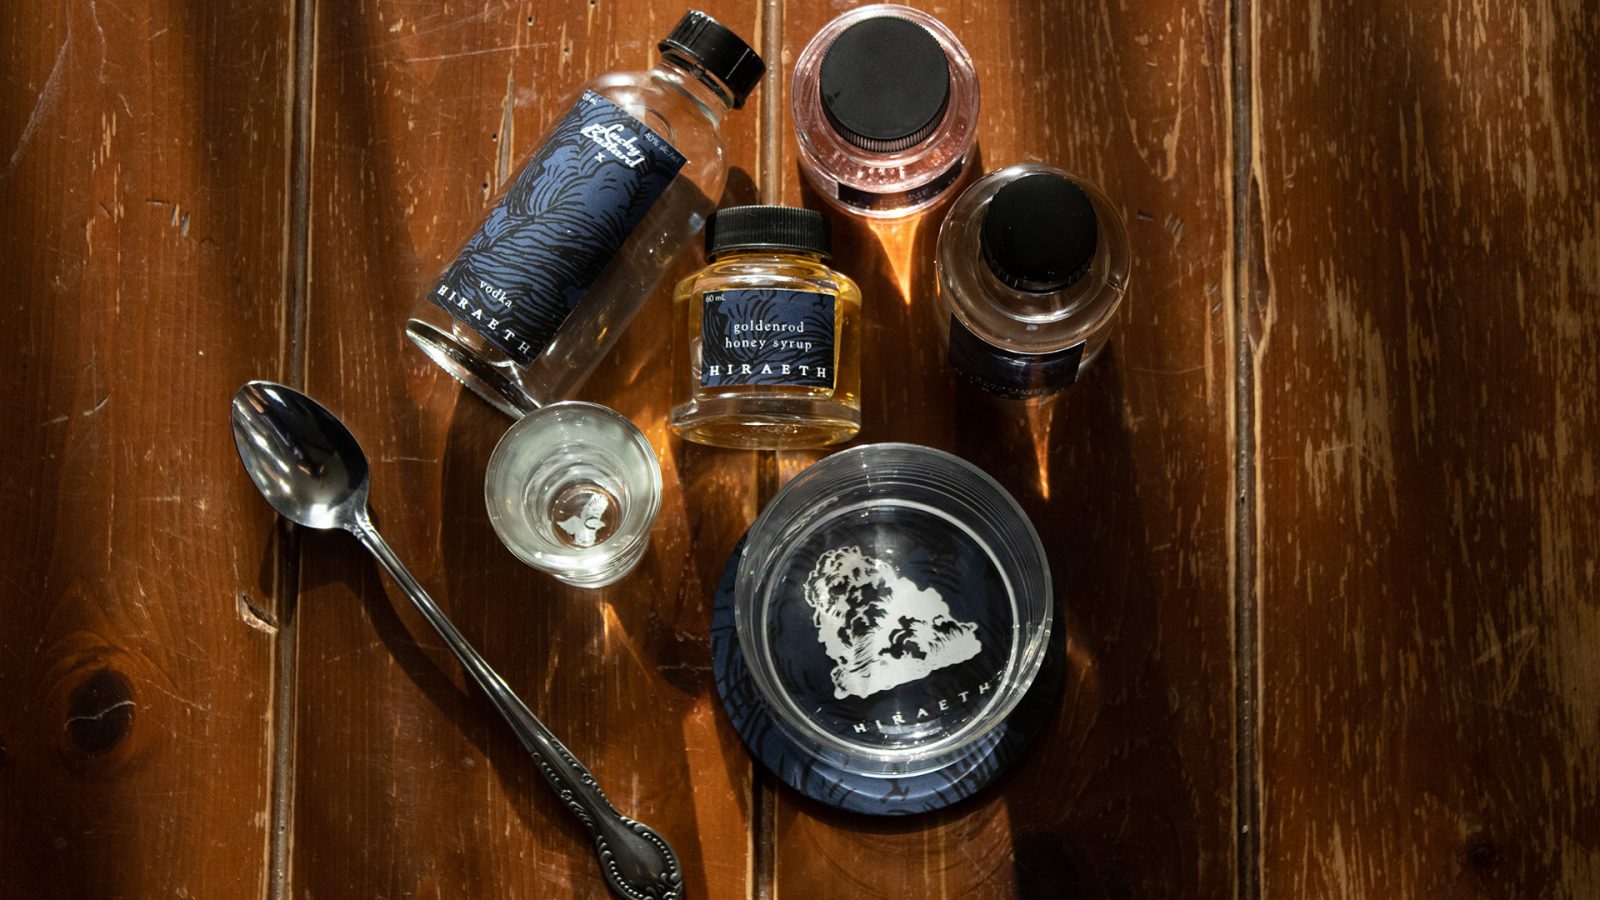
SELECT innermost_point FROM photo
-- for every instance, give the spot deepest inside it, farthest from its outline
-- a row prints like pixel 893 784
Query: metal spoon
pixel 313 472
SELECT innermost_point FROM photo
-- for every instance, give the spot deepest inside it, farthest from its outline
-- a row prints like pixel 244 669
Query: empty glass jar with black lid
pixel 1032 265
pixel 885 103
pixel 773 336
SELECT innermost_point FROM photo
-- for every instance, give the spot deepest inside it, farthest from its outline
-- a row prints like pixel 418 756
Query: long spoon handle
pixel 637 862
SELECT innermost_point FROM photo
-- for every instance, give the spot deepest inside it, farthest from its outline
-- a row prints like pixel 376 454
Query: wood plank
pixel 144 195
pixel 1427 283
pixel 1127 475
pixel 407 782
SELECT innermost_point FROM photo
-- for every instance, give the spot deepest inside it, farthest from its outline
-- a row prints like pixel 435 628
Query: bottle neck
pixel 705 89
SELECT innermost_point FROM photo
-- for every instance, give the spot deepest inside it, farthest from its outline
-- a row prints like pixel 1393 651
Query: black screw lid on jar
pixel 1040 233
pixel 767 228
pixel 715 48
pixel 885 84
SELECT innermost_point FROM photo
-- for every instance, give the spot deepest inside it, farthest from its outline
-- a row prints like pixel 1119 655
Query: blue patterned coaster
pixel 854 791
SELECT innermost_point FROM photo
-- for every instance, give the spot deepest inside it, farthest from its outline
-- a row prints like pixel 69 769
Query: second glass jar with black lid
pixel 773 336
pixel 1032 265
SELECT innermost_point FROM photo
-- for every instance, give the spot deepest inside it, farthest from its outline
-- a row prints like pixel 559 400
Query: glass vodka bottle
pixel 579 239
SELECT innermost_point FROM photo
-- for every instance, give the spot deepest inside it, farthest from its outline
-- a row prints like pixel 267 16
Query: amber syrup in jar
pixel 774 359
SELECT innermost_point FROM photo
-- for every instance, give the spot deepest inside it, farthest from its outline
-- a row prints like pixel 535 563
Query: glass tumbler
pixel 573 489
pixel 893 604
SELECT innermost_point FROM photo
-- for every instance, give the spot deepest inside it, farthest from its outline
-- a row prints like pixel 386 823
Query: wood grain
pixel 408 784
pixel 1421 281
pixel 1427 320
pixel 1127 475
pixel 143 190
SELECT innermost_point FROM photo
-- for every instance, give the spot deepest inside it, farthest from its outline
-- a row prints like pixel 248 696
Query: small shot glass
pixel 573 490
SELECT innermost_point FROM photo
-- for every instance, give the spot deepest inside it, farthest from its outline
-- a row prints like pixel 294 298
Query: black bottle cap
pixel 713 47
pixel 768 228
pixel 885 84
pixel 1039 233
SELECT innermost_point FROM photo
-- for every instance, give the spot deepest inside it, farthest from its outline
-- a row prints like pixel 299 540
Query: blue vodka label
pixel 553 233
pixel 767 337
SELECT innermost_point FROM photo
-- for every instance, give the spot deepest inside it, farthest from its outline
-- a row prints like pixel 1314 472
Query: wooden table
pixel 1325 518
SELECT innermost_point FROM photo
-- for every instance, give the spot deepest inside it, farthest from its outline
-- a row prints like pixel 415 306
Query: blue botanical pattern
pixel 1008 373
pixel 767 337
pixel 564 218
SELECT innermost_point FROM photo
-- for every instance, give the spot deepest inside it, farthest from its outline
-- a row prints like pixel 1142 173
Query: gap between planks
pixel 1246 775
pixel 296 273
pixel 769 18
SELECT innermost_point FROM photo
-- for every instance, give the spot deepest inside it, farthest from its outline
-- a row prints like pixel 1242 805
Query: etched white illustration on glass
pixel 586 512
pixel 880 629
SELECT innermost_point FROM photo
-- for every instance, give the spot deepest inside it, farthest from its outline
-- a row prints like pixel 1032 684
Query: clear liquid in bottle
pixel 577 242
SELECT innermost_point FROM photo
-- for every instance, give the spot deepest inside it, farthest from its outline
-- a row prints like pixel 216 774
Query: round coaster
pixel 854 791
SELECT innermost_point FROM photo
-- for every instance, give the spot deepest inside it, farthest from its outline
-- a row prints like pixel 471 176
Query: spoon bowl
pixel 301 457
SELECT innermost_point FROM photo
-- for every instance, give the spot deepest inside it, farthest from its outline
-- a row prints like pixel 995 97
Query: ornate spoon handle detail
pixel 637 862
